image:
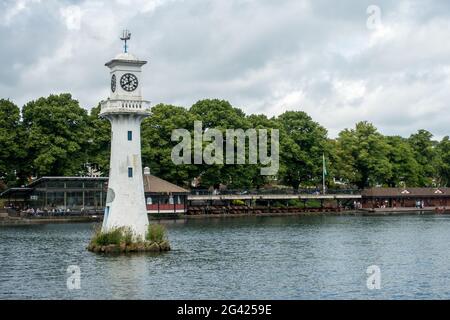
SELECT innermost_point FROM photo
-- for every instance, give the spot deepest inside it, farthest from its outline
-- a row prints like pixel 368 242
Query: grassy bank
pixel 123 239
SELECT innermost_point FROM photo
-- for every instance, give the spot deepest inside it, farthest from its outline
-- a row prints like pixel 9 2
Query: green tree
pixel 302 144
pixel 57 135
pixel 221 115
pixel 444 162
pixel 363 156
pixel 425 154
pixel 260 122
pixel 157 145
pixel 215 113
pixel 12 152
pixel 404 166
pixel 99 141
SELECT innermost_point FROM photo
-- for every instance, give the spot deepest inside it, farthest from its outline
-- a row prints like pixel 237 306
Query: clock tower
pixel 125 109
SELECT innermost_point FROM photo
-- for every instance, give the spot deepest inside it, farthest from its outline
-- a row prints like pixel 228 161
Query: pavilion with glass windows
pixel 62 194
pixel 87 195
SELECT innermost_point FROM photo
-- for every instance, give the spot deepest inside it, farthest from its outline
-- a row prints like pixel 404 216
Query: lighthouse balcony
pixel 124 106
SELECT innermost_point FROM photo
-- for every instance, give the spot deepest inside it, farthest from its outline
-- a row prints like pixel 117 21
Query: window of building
pixel 130 135
pixel 74 200
pixel 149 200
pixel 130 172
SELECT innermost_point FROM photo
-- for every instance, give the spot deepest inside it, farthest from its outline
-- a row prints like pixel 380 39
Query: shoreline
pixel 46 220
pixel 16 221
pixel 361 213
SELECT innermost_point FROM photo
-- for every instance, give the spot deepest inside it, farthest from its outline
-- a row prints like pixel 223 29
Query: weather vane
pixel 126 35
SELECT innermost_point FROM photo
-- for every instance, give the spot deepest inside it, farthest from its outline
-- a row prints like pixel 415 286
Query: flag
pixel 325 172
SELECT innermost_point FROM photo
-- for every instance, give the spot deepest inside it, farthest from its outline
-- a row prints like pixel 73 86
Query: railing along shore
pixel 274 191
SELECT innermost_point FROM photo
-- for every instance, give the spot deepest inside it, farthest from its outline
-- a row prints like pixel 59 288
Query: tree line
pixel 54 136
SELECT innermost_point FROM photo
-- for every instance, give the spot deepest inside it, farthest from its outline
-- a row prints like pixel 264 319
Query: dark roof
pixel 17 191
pixel 32 185
pixel 154 184
pixel 406 192
pixel 42 179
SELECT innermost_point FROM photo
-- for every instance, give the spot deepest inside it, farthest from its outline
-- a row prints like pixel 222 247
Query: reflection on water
pixel 252 257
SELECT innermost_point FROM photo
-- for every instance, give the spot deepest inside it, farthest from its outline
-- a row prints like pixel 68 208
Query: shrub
pixel 238 203
pixel 278 204
pixel 295 203
pixel 313 204
pixel 115 236
pixel 107 238
pixel 156 233
pixel 127 236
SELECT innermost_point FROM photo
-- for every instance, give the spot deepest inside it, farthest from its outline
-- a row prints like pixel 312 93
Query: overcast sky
pixel 332 59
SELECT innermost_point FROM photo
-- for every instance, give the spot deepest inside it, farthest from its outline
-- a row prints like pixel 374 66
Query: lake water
pixel 239 258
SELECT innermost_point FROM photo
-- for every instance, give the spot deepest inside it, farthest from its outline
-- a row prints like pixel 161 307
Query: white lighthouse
pixel 125 109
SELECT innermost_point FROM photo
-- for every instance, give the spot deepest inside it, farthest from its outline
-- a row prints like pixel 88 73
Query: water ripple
pixel 239 258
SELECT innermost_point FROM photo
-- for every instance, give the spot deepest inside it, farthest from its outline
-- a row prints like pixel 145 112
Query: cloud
pixel 263 56
pixel 72 16
pixel 12 9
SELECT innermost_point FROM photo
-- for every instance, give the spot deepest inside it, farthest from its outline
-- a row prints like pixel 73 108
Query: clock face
pixel 113 83
pixel 129 82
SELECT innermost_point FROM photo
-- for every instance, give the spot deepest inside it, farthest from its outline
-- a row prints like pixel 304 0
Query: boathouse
pixel 162 196
pixel 405 197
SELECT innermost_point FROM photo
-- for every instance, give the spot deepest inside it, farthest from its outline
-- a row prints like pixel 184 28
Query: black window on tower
pixel 130 172
pixel 130 135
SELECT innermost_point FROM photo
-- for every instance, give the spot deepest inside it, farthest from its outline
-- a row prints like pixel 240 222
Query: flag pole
pixel 323 173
